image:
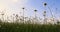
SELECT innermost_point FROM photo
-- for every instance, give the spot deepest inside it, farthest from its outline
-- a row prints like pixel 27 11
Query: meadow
pixel 21 27
pixel 26 24
pixel 19 21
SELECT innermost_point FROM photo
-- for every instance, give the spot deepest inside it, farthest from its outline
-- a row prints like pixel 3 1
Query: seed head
pixel 45 4
pixel 35 10
pixel 23 8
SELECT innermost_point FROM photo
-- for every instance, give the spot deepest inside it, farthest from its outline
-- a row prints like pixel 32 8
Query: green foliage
pixel 15 27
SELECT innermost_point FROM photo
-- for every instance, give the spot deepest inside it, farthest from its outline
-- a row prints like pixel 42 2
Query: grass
pixel 15 27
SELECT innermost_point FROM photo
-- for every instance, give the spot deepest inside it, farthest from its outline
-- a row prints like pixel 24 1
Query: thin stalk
pixel 23 14
pixel 35 13
pixel 50 11
pixel 45 21
pixel 45 4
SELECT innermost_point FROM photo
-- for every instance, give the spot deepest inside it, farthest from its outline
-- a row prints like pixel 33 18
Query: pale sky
pixel 12 6
pixel 15 6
